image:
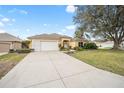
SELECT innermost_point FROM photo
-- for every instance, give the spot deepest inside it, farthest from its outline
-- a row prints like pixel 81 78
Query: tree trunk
pixel 116 45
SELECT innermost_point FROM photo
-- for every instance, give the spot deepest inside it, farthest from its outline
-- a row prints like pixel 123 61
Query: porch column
pixel 11 45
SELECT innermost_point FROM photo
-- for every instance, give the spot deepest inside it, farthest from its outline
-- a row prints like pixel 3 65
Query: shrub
pixel 90 46
pixel 11 50
pixel 64 49
pixel 78 48
pixel 23 50
pixel 26 43
pixel 32 50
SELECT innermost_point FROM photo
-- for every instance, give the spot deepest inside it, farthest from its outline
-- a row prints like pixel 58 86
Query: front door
pixel 66 44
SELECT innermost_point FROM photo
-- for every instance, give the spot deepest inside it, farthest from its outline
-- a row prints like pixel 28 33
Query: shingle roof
pixel 80 40
pixel 8 37
pixel 49 36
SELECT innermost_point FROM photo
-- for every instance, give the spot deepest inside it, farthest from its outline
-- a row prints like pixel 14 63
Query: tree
pixel 103 21
pixel 80 33
pixel 25 44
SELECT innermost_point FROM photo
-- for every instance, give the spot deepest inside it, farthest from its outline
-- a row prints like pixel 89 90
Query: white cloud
pixel 27 30
pixel 15 10
pixel 5 19
pixel 10 24
pixel 2 31
pixel 56 25
pixel 12 10
pixel 23 12
pixel 13 20
pixel 64 30
pixel 45 24
pixel 67 28
pixel 70 27
pixel 60 33
pixel 71 9
pixel 1 15
pixel 1 24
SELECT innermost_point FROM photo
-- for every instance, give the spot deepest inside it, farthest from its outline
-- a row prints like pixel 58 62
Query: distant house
pixel 107 44
pixel 104 44
pixel 8 41
pixel 122 45
pixel 45 42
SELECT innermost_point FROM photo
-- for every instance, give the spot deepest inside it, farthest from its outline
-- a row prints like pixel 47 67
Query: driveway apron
pixel 54 69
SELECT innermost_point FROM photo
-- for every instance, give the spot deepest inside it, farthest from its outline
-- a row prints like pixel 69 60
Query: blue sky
pixel 24 21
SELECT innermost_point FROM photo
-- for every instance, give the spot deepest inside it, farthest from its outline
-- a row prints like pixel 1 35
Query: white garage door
pixel 45 45
pixel 49 46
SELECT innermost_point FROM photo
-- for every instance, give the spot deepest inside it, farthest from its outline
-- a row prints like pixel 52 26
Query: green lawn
pixel 8 61
pixel 109 60
pixel 12 57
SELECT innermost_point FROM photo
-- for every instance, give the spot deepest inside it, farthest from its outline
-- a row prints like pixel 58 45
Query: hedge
pixel 90 46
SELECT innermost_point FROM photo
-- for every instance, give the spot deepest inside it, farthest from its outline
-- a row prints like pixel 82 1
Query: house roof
pixel 52 36
pixel 99 40
pixel 80 40
pixel 7 37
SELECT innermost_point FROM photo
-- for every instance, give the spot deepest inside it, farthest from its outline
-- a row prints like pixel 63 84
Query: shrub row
pixel 78 48
pixel 90 46
pixel 21 50
pixel 86 46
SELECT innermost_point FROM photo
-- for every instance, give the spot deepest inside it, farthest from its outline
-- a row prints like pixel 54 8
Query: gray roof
pixel 7 37
pixel 80 40
pixel 52 36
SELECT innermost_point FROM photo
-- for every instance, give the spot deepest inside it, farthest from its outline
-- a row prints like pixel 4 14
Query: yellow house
pixel 46 42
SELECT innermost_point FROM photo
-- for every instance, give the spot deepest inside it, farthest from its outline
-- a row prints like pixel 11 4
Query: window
pixel 80 44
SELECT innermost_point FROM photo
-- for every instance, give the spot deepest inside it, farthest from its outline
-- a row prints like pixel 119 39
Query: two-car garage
pixel 47 42
pixel 39 45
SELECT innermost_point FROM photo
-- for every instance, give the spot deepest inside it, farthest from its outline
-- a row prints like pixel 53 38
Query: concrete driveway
pixel 58 70
pixel 3 53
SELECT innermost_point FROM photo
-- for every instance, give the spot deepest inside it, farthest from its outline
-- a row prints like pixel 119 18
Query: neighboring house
pixel 122 45
pixel 8 41
pixel 46 42
pixel 104 44
pixel 107 44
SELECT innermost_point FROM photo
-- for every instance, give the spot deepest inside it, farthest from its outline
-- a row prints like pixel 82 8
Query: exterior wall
pixel 4 47
pixel 122 45
pixel 17 45
pixel 59 41
pixel 107 44
pixel 73 44
pixel 62 39
pixel 30 45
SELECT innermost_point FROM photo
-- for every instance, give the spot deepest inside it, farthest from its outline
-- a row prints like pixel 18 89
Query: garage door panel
pixel 36 45
pixel 4 47
pixel 45 46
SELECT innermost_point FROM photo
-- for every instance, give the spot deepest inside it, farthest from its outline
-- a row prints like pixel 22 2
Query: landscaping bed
pixel 110 60
pixel 8 61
